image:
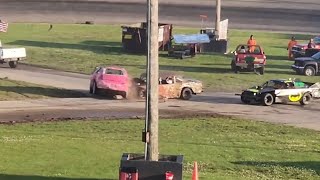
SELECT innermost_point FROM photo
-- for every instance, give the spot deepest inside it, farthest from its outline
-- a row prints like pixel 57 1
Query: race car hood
pixel 258 89
pixel 191 80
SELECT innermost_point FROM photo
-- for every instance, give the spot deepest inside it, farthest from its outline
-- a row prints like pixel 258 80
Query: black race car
pixel 281 90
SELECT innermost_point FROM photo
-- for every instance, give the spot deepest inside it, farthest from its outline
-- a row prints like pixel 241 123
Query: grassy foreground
pixel 80 48
pixel 224 149
pixel 17 90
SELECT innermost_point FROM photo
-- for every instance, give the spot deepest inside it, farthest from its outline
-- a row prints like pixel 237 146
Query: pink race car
pixel 112 80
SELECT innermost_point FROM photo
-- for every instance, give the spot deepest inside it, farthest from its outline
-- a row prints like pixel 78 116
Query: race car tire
pixel 309 71
pixel 91 89
pixel 13 64
pixel 95 89
pixel 186 94
pixel 142 93
pixel 233 66
pixel 261 70
pixel 267 99
pixel 305 99
pixel 124 95
pixel 236 70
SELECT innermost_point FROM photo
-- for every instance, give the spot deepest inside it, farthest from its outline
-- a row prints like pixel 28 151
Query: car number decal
pixel 295 98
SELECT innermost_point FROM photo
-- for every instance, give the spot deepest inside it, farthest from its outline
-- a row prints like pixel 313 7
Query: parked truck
pixel 12 56
pixel 302 50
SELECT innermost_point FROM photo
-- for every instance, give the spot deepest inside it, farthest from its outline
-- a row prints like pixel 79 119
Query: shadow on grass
pixel 278 66
pixel 227 64
pixel 101 47
pixel 199 69
pixel 102 43
pixel 222 70
pixel 299 37
pixel 309 165
pixel 278 58
pixel 41 91
pixel 30 177
pixel 280 72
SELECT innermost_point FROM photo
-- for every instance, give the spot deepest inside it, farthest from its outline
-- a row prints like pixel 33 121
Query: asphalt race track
pixel 282 15
pixel 206 104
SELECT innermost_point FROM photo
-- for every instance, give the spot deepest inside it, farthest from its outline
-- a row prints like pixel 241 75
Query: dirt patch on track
pixel 64 115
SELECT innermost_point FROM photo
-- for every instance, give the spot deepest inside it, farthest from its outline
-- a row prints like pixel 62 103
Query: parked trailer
pixel 12 56
pixel 134 37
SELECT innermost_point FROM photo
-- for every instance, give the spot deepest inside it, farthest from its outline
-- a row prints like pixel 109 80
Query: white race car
pixel 283 91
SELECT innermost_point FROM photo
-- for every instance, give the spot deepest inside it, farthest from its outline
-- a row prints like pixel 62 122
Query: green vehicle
pixel 281 90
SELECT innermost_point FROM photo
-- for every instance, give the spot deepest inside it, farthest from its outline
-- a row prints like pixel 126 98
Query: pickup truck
pixel 12 56
pixel 244 60
pixel 308 66
pixel 302 50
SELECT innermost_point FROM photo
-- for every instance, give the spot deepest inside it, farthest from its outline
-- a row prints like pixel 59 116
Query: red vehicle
pixel 302 50
pixel 244 60
pixel 112 80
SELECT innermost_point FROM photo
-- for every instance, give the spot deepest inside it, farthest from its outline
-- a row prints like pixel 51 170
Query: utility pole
pixel 218 17
pixel 152 111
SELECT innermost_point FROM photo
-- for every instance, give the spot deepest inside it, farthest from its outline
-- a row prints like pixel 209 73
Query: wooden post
pixel 153 87
pixel 218 17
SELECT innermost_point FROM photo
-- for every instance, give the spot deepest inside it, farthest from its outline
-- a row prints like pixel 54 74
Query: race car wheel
pixel 236 70
pixel 233 66
pixel 13 64
pixel 306 98
pixel 95 89
pixel 124 95
pixel 267 99
pixel 309 71
pixel 261 70
pixel 186 94
pixel 91 89
pixel 142 93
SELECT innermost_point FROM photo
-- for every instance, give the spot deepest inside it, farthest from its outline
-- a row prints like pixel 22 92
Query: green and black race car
pixel 281 90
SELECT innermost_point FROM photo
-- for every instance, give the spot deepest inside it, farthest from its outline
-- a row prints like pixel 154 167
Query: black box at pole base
pixel 153 170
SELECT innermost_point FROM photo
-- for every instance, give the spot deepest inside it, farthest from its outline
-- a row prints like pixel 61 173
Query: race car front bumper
pixel 250 97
